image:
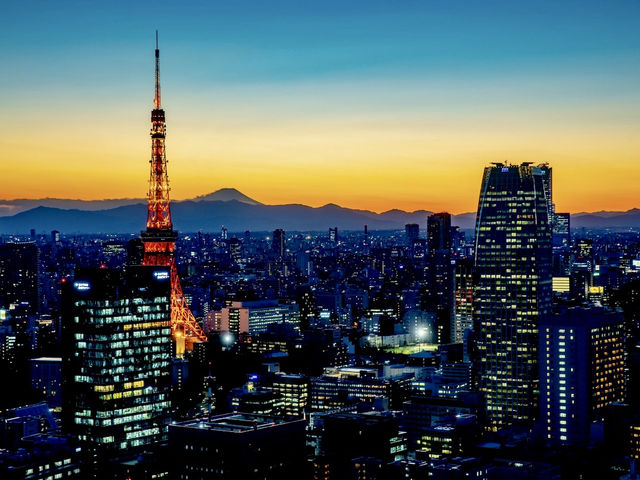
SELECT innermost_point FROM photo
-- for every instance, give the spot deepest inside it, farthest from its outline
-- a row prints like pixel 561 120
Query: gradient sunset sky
pixel 367 104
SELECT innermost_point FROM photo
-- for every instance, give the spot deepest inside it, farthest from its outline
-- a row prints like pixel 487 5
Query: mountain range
pixel 237 212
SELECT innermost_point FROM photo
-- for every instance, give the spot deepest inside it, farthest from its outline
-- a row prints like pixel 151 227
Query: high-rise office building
pixel 412 231
pixel 562 230
pixel 464 299
pixel 19 275
pixel 278 243
pixel 333 235
pixel 547 184
pixel 439 232
pixel 294 390
pixel 234 248
pixel 117 360
pixel 441 275
pixel 512 288
pixel 581 370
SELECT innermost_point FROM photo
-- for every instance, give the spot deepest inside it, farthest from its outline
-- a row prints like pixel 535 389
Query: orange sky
pixel 368 105
pixel 370 163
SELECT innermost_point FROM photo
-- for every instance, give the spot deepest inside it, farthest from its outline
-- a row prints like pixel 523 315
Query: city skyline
pixel 376 108
pixel 226 338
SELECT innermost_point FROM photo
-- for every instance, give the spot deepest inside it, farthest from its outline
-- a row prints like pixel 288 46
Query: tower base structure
pixel 159 248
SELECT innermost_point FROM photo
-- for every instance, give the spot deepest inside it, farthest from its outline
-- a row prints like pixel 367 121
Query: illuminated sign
pixel 3 314
pixel 161 275
pixel 81 286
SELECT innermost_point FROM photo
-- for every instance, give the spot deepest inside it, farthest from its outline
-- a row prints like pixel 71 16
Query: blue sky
pixel 509 69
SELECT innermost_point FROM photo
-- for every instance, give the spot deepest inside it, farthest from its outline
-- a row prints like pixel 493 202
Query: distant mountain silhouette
pixel 226 195
pixel 191 216
pixel 11 207
pixel 602 219
pixel 237 212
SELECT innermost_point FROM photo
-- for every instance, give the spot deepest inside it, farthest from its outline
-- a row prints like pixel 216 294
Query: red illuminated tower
pixel 160 238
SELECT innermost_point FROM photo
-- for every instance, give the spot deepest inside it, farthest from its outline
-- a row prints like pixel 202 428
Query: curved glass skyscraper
pixel 512 287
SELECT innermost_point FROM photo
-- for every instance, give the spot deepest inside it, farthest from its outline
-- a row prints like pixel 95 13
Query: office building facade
pixel 254 317
pixel 238 446
pixel 512 288
pixel 581 371
pixel 117 360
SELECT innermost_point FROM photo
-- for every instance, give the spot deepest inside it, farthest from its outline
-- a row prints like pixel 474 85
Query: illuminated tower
pixel 160 238
pixel 512 288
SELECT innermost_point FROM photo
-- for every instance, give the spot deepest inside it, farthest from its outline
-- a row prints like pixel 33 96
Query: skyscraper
pixel 441 274
pixel 463 298
pixel 333 235
pixel 278 242
pixel 117 360
pixel 562 230
pixel 512 288
pixel 412 230
pixel 581 370
pixel 19 275
pixel 439 231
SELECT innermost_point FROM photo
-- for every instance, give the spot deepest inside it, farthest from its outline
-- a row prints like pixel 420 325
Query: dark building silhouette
pixel 135 251
pixel 19 275
pixel 439 232
pixel 46 379
pixel 412 231
pixel 353 443
pixel 441 276
pixel 278 243
pixel 512 288
pixel 238 446
pixel 40 456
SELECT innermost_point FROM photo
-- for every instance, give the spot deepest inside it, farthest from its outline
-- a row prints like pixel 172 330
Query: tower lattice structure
pixel 160 238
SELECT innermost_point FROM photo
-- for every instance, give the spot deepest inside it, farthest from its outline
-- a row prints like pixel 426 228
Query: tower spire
pixel 156 101
pixel 160 238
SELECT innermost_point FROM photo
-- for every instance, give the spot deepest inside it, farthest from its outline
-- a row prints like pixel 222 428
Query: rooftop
pixel 235 422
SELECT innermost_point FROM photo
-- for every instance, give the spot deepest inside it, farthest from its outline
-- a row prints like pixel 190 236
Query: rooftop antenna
pixel 156 100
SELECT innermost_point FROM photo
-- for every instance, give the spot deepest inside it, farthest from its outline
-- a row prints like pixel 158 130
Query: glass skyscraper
pixel 512 288
pixel 117 361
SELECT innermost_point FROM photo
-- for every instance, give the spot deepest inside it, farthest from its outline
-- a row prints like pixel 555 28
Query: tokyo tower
pixel 160 238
